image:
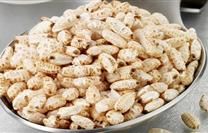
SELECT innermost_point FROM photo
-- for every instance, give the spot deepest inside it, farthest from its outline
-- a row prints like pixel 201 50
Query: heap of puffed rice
pixel 98 65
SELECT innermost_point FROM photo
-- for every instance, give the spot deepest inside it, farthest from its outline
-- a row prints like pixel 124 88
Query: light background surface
pixel 15 19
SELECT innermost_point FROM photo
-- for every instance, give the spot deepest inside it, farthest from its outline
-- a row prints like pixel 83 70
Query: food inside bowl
pixel 98 65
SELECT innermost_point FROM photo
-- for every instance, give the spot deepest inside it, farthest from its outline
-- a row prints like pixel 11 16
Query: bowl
pixel 24 2
pixel 128 124
pixel 125 125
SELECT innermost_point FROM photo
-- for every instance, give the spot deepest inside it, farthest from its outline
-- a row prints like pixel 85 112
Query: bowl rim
pixel 198 74
pixel 24 2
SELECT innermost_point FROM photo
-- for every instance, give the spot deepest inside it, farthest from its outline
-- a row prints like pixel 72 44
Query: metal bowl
pixel 128 124
pixel 24 2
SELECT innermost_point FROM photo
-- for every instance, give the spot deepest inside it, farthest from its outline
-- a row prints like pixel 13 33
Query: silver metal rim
pixel 130 123
pixel 23 2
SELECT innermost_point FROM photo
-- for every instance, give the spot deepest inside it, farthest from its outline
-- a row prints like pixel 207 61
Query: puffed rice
pixel 101 64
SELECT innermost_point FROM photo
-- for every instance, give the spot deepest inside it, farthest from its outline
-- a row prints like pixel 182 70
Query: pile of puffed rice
pixel 98 65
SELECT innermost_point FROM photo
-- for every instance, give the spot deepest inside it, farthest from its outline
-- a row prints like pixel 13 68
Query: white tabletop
pixel 16 19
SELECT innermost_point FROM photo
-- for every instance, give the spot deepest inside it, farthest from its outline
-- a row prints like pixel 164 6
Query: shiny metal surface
pixel 23 2
pixel 191 10
pixel 193 6
pixel 136 123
